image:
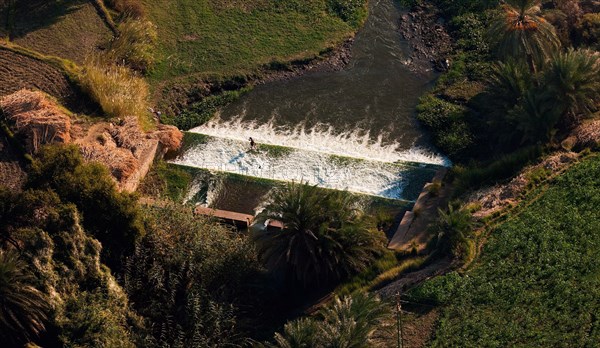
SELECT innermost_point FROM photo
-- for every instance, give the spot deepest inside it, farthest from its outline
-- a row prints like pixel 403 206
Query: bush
pixel 117 89
pixel 351 11
pixel 134 45
pixel 471 31
pixel 188 276
pixel 110 216
pixel 447 122
pixel 452 8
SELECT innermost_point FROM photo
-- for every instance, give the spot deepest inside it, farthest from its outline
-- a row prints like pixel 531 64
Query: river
pixel 352 129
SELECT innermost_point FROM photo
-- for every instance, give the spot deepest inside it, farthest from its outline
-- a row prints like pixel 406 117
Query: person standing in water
pixel 252 144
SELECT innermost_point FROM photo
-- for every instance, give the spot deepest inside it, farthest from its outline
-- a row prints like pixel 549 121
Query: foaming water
pixel 320 138
pixel 377 178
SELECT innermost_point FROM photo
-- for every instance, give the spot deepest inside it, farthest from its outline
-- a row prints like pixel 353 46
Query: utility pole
pixel 399 320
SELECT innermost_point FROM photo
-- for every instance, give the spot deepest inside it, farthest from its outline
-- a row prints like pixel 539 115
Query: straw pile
pixel 37 118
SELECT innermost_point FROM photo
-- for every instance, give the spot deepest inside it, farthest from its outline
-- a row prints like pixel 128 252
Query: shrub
pixel 115 88
pixel 471 32
pixel 452 8
pixel 187 277
pixel 351 11
pixel 110 216
pixel 447 122
pixel 134 45
pixel 350 321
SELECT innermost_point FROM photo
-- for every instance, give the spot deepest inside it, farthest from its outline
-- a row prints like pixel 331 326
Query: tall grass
pixel 118 90
pixel 134 45
pixel 128 8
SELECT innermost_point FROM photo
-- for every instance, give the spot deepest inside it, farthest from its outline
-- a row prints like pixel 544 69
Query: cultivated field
pixel 18 71
pixel 68 29
pixel 537 282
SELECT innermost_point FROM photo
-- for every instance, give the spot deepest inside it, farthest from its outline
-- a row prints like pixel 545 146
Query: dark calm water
pixel 376 93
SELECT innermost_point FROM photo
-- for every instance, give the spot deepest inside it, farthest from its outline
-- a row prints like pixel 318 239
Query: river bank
pixel 419 27
pixel 425 31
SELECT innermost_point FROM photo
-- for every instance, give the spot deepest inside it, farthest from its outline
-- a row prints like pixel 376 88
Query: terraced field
pixel 68 29
pixel 11 174
pixel 18 71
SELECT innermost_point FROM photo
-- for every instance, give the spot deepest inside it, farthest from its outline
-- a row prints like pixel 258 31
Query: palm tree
pixel 301 333
pixel 348 322
pixel 536 117
pixel 573 78
pixel 455 228
pixel 22 307
pixel 352 321
pixel 325 236
pixel 506 88
pixel 521 33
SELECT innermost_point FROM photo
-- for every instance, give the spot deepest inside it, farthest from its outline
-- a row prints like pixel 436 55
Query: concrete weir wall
pixel 412 232
pixel 146 159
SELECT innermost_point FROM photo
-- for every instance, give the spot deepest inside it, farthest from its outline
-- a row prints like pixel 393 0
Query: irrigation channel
pixel 347 130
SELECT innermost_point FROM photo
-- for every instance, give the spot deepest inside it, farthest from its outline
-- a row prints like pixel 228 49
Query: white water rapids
pixel 344 162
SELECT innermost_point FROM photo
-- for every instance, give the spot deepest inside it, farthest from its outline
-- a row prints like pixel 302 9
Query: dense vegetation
pixel 537 281
pixel 481 108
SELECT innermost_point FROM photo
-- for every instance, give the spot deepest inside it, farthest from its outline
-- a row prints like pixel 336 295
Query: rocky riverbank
pixel 425 30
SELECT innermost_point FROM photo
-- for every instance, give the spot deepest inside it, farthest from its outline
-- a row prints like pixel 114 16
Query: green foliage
pixel 537 282
pixel 166 180
pixel 437 291
pixel 110 216
pixel 134 45
pixel 573 78
pixel 452 8
pixel 347 322
pixel 589 30
pixel 91 319
pixel 352 11
pixel 326 237
pixel 469 29
pixel 23 308
pixel 196 36
pixel 520 33
pixel 87 306
pixel 447 122
pixel 496 171
pixel 454 232
pixel 525 108
pixel 187 277
pixel 199 113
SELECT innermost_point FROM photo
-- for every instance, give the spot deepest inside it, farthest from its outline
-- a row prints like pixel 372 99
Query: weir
pixel 352 129
pixel 377 178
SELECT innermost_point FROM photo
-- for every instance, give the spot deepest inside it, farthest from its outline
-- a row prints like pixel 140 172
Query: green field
pixel 225 37
pixel 537 283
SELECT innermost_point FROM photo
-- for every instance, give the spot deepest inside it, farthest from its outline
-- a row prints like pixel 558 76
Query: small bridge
pixel 241 221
